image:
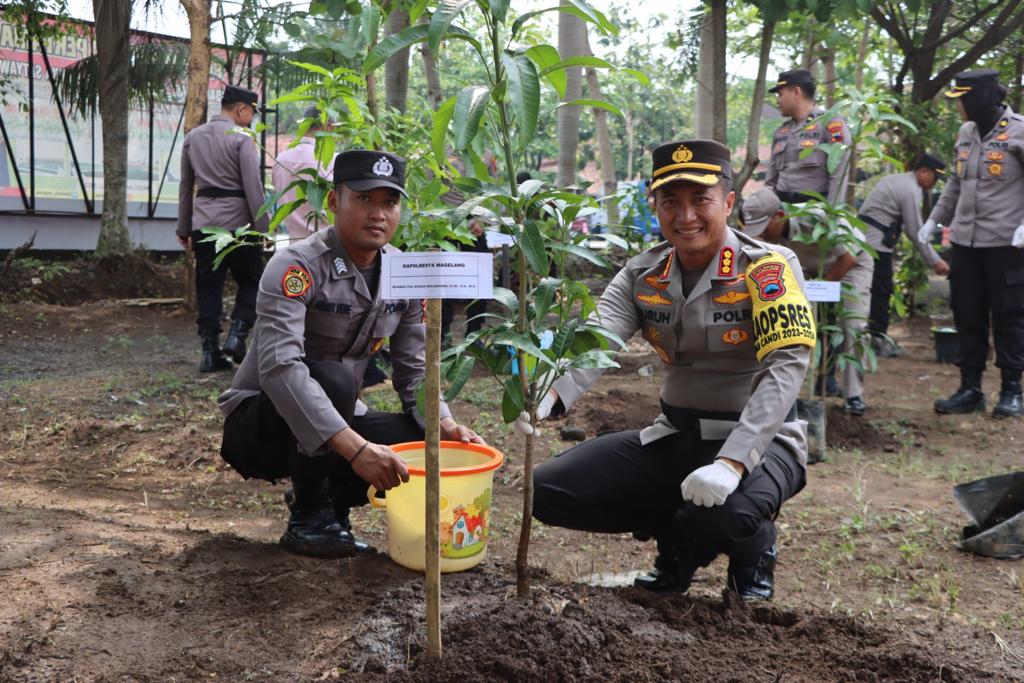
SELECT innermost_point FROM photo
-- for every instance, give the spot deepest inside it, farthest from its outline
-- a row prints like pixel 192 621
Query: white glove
pixel 927 231
pixel 710 485
pixel 544 408
pixel 1018 237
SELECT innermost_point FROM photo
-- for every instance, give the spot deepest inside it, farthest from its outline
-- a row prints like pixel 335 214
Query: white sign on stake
pixel 497 239
pixel 823 291
pixel 437 275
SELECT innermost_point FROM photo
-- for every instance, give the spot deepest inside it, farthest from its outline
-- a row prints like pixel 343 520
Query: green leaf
pixel 315 68
pixel 545 56
pixel 583 253
pixel 533 245
pixel 524 91
pixel 387 48
pixel 499 10
pixel 563 340
pixel 512 400
pixel 458 374
pixel 604 333
pixel 595 358
pixel 522 341
pixel 469 108
pixel 595 104
pixel 442 118
pixel 587 13
pixel 638 75
pixel 442 18
pixel 579 60
pixel 506 298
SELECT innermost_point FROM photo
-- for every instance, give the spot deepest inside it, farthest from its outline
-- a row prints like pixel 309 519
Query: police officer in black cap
pixel 893 208
pixel 790 173
pixel 984 203
pixel 221 187
pixel 292 408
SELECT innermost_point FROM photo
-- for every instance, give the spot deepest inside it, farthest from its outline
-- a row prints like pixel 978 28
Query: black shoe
pixel 756 582
pixel 341 514
pixel 659 581
pixel 234 345
pixel 322 537
pixel 854 406
pixel 1010 401
pixel 965 400
pixel 213 358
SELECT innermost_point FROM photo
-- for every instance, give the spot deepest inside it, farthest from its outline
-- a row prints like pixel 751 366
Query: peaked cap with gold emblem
pixel 697 161
pixel 972 81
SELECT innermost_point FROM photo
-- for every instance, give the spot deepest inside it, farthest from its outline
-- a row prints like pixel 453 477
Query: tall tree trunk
pixel 829 59
pixel 396 69
pixel 430 72
pixel 572 35
pixel 1018 92
pixel 112 41
pixel 719 10
pixel 630 140
pixel 858 79
pixel 711 100
pixel 751 160
pixel 604 146
pixel 197 92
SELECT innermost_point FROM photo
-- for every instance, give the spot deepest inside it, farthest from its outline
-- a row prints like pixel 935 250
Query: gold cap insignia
pixel 682 155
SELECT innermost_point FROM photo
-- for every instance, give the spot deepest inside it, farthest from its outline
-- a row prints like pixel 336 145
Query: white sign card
pixel 437 275
pixel 496 240
pixel 822 290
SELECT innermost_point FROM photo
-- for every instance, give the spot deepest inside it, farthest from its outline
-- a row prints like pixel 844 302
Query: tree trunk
pixel 604 145
pixel 197 93
pixel 718 26
pixel 430 72
pixel 751 160
pixel 630 140
pixel 396 69
pixel 112 41
pixel 1018 92
pixel 858 77
pixel 829 59
pixel 572 35
pixel 711 101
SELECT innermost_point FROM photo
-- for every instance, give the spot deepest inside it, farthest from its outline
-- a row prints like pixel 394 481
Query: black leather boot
pixel 234 345
pixel 313 528
pixel 756 582
pixel 967 399
pixel 213 358
pixel 1010 400
pixel 666 577
pixel 341 513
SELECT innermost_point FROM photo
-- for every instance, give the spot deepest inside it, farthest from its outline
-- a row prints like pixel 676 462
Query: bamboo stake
pixel 432 513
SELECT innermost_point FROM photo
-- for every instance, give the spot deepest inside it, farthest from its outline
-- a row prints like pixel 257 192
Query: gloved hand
pixel 927 231
pixel 544 408
pixel 710 485
pixel 1018 237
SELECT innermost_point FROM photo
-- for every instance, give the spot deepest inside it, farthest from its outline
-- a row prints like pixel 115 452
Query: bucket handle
pixel 371 495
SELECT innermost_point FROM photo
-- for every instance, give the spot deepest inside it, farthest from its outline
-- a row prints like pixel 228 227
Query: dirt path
pixel 129 552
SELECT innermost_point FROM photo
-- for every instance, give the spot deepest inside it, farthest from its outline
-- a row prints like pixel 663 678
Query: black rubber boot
pixel 313 528
pixel 756 582
pixel 213 358
pixel 967 399
pixel 234 345
pixel 1011 403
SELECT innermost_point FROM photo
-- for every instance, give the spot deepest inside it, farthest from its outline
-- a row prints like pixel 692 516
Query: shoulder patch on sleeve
pixel 296 282
pixel 782 316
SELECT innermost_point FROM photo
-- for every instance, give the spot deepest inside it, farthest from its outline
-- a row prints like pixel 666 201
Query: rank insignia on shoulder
pixel 654 299
pixel 339 266
pixel 731 297
pixel 735 336
pixel 296 282
pixel 725 262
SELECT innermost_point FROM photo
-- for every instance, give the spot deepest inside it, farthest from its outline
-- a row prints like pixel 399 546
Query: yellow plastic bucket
pixel 467 477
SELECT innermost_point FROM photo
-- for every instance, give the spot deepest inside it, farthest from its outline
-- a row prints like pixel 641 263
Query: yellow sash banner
pixel 782 316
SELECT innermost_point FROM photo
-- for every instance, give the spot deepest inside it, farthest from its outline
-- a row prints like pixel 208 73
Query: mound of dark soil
pixel 845 431
pixel 69 282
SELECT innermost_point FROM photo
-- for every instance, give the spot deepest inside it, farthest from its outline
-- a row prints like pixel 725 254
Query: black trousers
pixel 259 444
pixel 246 266
pixel 614 484
pixel 881 294
pixel 987 289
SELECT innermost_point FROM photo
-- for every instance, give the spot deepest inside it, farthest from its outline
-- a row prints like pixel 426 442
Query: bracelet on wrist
pixel 358 451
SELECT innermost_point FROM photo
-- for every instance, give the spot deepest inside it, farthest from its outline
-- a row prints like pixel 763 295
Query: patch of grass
pixel 115 344
pixel 384 400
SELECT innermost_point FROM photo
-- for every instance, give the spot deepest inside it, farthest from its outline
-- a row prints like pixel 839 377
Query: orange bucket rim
pixel 496 458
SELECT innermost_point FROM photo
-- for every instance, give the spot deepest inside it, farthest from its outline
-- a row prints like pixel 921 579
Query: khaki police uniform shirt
pixel 897 199
pixel 787 172
pixel 706 341
pixel 858 294
pixel 313 303
pixel 984 196
pixel 214 156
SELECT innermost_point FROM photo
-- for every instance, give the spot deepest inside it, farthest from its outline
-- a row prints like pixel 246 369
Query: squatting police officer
pixel 727 316
pixel 292 409
pixel 984 202
pixel 790 174
pixel 221 166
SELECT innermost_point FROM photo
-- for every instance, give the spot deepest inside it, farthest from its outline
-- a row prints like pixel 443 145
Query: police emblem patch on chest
pixel 383 167
pixel 995 169
pixel 735 336
pixel 296 282
pixel 768 279
pixel 339 266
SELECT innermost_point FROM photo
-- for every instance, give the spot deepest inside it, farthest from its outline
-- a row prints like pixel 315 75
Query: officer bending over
pixel 727 316
pixel 292 409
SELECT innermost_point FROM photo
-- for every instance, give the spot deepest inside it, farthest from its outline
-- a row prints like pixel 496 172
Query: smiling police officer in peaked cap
pixel 709 474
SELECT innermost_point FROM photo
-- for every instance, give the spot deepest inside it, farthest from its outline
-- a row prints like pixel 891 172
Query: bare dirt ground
pixel 129 552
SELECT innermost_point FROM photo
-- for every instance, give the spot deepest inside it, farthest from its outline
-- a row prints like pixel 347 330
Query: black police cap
pixel 795 77
pixel 233 95
pixel 973 81
pixel 704 162
pixel 362 170
pixel 933 162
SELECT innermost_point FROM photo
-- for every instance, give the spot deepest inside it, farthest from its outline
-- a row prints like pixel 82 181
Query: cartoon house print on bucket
pixel 464 533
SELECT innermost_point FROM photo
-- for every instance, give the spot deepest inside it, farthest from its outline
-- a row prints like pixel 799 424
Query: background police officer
pixel 763 217
pixel 984 202
pixel 710 474
pixel 892 208
pixel 221 167
pixel 790 174
pixel 292 409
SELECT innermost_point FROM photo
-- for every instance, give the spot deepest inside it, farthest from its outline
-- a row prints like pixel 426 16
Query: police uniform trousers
pixel 259 444
pixel 882 288
pixel 856 304
pixel 987 283
pixel 246 266
pixel 614 484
